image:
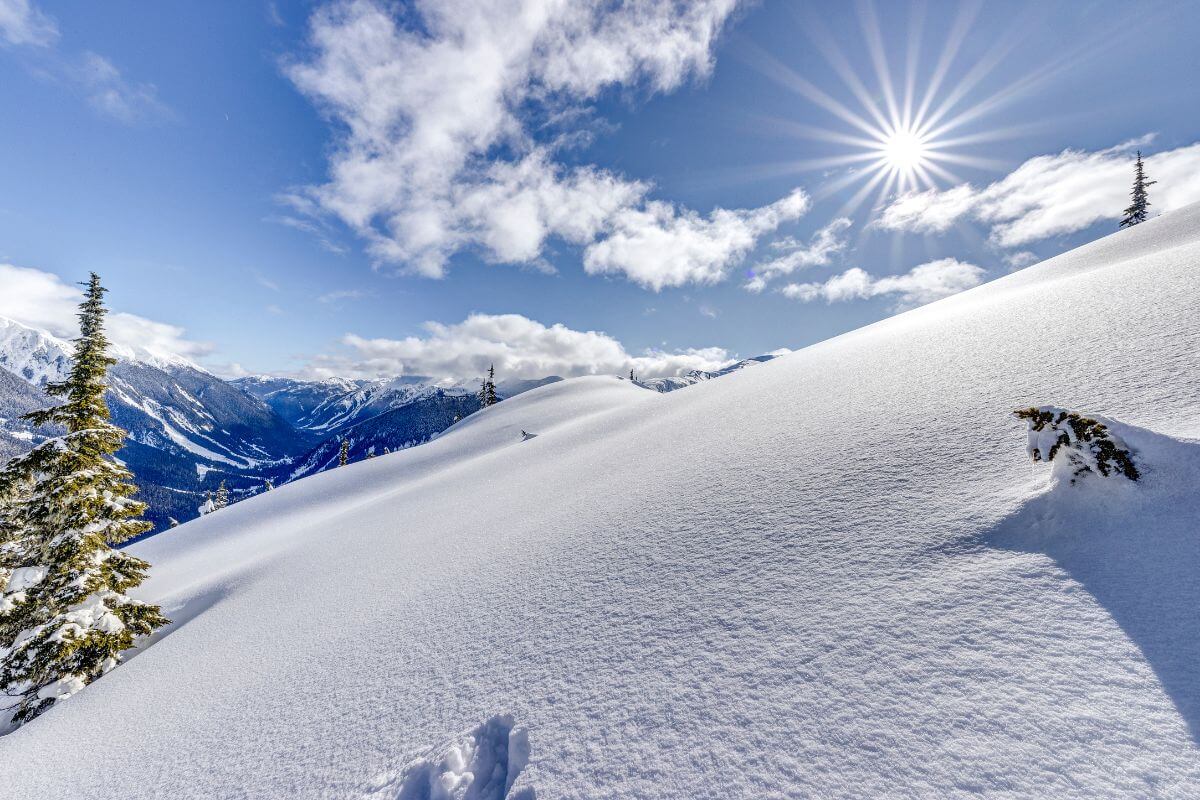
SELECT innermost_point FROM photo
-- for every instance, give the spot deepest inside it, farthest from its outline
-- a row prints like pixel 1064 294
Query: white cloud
pixel 307 220
pixel 922 284
pixel 21 23
pixel 512 213
pixel 91 74
pixel 931 211
pixel 436 110
pixel 39 299
pixel 820 250
pixel 141 336
pixel 1052 195
pixel 110 94
pixel 341 294
pixel 1021 259
pixel 43 300
pixel 229 370
pixel 265 282
pixel 660 245
pixel 519 347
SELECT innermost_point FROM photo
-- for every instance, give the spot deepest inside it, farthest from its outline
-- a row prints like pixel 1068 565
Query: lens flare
pixel 898 136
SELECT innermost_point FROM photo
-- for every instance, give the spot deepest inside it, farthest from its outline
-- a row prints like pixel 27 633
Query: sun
pixel 905 151
pixel 900 136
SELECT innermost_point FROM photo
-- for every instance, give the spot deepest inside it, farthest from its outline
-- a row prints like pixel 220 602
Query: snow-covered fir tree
pixel 65 617
pixel 487 389
pixel 208 506
pixel 491 386
pixel 267 485
pixel 221 500
pixel 344 453
pixel 10 494
pixel 1139 208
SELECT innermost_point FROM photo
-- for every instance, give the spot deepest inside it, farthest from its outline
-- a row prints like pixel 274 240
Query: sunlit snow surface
pixel 833 575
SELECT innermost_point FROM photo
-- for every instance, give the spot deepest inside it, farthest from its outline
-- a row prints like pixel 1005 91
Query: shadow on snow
pixel 1136 548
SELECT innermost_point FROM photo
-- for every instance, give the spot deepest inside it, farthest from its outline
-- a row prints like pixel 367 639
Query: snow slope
pixel 834 575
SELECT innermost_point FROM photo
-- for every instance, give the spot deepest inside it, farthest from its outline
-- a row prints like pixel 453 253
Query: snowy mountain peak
pixel 33 355
pixel 692 377
pixel 39 356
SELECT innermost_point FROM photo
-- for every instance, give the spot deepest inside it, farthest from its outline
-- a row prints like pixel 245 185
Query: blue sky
pixel 621 170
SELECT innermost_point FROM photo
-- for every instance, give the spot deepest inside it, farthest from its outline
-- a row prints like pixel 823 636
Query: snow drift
pixel 837 574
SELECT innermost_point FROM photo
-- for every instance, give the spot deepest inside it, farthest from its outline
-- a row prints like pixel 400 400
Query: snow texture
pixel 837 574
pixel 483 764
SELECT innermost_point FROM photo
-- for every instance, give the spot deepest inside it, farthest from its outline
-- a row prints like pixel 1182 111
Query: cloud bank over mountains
pixel 45 301
pixel 519 347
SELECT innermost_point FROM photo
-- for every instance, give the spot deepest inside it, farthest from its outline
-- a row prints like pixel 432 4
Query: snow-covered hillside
pixel 836 574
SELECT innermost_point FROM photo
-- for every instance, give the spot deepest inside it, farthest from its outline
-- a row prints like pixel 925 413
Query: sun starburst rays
pixel 899 139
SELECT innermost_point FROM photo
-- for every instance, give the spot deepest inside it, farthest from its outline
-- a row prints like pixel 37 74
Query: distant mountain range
pixel 695 376
pixel 189 429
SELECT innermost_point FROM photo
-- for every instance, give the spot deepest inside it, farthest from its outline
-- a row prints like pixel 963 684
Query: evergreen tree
pixel 490 397
pixel 1139 209
pixel 344 453
pixel 10 495
pixel 222 498
pixel 267 485
pixel 208 506
pixel 631 378
pixel 483 393
pixel 64 614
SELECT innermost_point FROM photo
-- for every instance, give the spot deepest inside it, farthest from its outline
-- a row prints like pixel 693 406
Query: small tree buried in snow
pixel 1085 444
pixel 221 500
pixel 64 614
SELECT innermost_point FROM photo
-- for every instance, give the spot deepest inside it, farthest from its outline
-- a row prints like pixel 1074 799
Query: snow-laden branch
pixel 1083 444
